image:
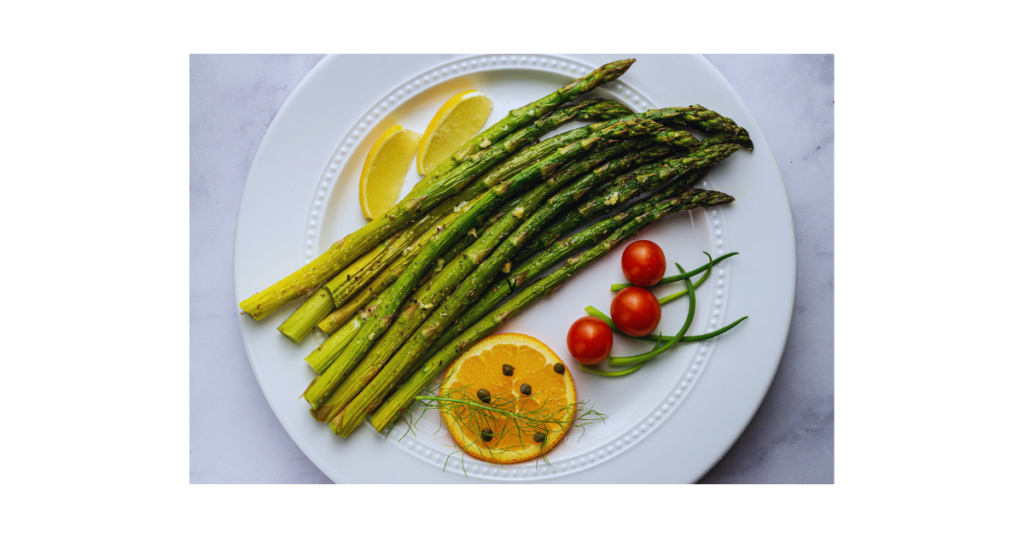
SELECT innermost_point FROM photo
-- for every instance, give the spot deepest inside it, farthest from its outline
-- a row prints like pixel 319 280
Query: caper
pixel 559 368
pixel 507 369
pixel 526 389
pixel 539 437
pixel 486 434
pixel 484 395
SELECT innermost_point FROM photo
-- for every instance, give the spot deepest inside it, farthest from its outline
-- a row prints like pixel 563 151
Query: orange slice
pixel 385 169
pixel 458 120
pixel 547 411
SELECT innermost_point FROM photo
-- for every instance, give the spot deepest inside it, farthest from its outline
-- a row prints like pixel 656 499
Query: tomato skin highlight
pixel 643 263
pixel 636 311
pixel 589 340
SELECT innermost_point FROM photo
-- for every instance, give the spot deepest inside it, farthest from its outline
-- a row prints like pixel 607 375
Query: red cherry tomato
pixel 643 263
pixel 589 340
pixel 636 311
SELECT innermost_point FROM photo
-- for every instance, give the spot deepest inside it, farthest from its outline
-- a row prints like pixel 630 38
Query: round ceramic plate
pixel 669 422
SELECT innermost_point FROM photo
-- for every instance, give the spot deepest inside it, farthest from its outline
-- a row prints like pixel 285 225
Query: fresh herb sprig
pixel 501 417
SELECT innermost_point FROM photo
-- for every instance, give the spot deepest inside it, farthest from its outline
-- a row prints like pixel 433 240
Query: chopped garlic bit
pixel 460 206
pixel 427 306
pixel 485 143
pixel 518 212
pixel 507 268
pixel 612 200
pixel 472 231
pixel 529 113
pixel 506 128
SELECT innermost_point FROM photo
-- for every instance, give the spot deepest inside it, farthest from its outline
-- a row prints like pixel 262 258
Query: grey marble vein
pixel 234 435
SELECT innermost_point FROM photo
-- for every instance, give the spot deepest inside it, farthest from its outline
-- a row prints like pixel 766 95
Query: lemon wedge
pixel 385 169
pixel 458 120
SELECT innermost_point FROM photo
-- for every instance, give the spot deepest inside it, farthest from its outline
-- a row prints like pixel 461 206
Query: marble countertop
pixel 234 435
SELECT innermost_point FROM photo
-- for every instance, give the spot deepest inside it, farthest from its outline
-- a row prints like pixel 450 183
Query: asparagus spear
pixel 523 115
pixel 372 391
pixel 342 253
pixel 603 202
pixel 381 318
pixel 400 400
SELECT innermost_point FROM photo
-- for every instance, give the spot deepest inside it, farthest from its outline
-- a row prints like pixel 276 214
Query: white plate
pixel 671 421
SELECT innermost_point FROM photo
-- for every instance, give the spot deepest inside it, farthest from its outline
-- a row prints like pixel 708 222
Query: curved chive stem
pixel 601 315
pixel 614 373
pixel 669 298
pixel 644 357
pixel 677 278
pixel 606 373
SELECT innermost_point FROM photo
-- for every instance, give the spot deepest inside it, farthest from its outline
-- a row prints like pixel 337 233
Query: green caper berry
pixel 486 434
pixel 507 369
pixel 526 389
pixel 559 368
pixel 484 395
pixel 539 437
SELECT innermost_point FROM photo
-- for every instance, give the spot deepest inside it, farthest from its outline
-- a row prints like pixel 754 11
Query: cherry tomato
pixel 643 263
pixel 636 311
pixel 589 340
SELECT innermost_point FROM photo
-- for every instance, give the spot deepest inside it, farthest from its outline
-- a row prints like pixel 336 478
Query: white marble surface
pixel 235 437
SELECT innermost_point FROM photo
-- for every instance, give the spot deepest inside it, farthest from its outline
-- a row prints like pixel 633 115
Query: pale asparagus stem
pixel 317 307
pixel 353 278
pixel 352 246
pixel 375 326
pixel 524 115
pixel 371 394
pixel 341 316
pixel 347 283
pixel 322 357
pixel 399 401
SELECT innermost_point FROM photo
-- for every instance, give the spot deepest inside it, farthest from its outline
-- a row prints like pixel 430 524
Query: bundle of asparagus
pixel 404 295
pixel 435 188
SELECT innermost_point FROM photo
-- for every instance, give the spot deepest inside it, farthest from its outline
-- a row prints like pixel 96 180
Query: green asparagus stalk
pixel 395 296
pixel 399 401
pixel 343 252
pixel 591 208
pixel 354 395
pixel 710 121
pixel 524 115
